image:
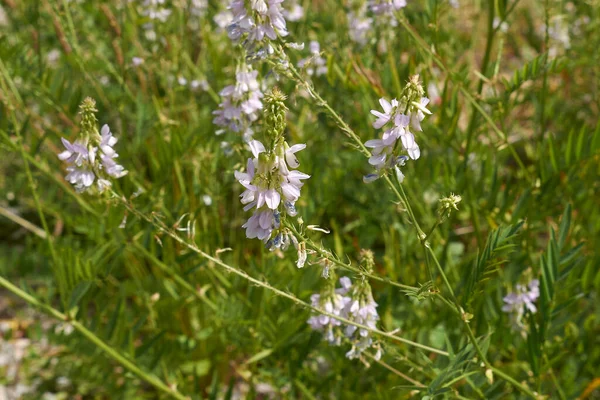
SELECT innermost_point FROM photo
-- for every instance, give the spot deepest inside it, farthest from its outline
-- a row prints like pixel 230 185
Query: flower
pixel 270 177
pixel 332 301
pixel 522 298
pixel 264 20
pixel 294 12
pixel 240 105
pixel 84 167
pixel 359 26
pixel 398 119
pixel 91 157
pixel 315 65
pixel 380 7
pixel 352 302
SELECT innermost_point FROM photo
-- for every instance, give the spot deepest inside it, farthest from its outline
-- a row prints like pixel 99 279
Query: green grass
pixel 159 312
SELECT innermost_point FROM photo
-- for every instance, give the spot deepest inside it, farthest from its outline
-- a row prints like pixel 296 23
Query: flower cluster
pixel 352 302
pixel 155 11
pixel 272 183
pixel 399 118
pixel 263 19
pixel 240 105
pixel 365 17
pixel 359 25
pixel 386 7
pixel 333 301
pixel 293 11
pixel 314 65
pixel 522 298
pixel 91 157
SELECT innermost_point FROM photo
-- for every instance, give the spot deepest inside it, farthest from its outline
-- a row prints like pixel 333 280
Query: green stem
pixel 347 266
pixel 268 287
pixel 131 366
pixel 178 279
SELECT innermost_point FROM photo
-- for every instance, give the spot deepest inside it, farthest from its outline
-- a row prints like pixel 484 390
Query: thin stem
pixel 131 366
pixel 326 254
pixel 178 279
pixel 424 46
pixel 267 286
pixel 23 222
pixel 395 371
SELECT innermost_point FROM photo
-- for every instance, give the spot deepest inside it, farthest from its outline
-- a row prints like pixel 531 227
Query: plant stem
pixel 267 286
pixel 328 255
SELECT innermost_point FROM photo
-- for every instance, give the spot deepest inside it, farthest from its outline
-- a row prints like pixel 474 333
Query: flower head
pixel 523 298
pixel 398 118
pixel 91 157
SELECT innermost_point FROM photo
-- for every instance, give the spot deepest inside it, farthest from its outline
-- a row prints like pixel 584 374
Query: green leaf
pixel 78 293
pixel 259 356
pixel 198 368
pixel 565 225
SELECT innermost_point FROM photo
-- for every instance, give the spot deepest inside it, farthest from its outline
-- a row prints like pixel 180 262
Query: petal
pixel 256 147
pixel 377 160
pixel 298 175
pixel 387 107
pixel 272 198
pixel 374 143
pixel 105 130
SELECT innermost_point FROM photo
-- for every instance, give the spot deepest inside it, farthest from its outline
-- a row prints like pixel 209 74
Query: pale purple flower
pixel 265 20
pixel 523 298
pixel 241 104
pixel 314 65
pixel 88 162
pixel 359 26
pixel 270 180
pixel 294 12
pixel 380 7
pixel 384 117
pixel 335 303
pixel 259 225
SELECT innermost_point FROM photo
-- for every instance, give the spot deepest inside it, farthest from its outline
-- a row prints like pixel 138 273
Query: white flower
pixel 265 20
pixel 84 165
pixel 270 177
pixel 315 65
pixel 388 109
pixel 241 103
pixel 359 26
pixel 294 12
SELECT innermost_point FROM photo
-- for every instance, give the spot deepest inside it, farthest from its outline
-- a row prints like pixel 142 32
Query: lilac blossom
pixel 240 105
pixel 523 298
pixel 272 187
pixel 92 160
pixel 314 65
pixel 399 119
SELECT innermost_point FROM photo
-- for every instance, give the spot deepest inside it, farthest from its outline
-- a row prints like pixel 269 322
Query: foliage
pixel 155 292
